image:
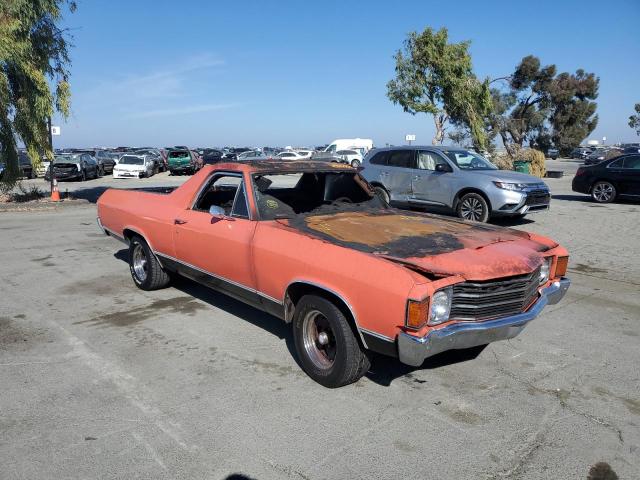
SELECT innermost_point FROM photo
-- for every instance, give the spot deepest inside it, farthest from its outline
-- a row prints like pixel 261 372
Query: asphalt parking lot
pixel 102 380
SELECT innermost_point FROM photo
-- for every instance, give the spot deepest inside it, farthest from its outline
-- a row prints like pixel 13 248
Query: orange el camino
pixel 311 243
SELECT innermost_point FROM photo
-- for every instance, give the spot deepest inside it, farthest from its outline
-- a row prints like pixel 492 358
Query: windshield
pixel 130 160
pixel 466 160
pixel 317 193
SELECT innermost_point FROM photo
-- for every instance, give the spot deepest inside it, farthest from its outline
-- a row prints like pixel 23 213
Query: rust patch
pixel 401 234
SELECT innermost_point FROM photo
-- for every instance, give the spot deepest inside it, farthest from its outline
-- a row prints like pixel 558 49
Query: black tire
pixel 83 176
pixel 338 362
pixel 603 192
pixel 146 271
pixel 382 193
pixel 473 206
pixel 355 163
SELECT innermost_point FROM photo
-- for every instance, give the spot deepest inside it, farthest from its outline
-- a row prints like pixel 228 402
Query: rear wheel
pixel 326 344
pixel 355 163
pixel 473 206
pixel 146 271
pixel 603 192
pixel 83 176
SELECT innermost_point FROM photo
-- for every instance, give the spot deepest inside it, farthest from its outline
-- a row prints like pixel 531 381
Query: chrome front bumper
pixel 414 350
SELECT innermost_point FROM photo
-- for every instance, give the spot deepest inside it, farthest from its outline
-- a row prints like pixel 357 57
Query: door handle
pixel 179 221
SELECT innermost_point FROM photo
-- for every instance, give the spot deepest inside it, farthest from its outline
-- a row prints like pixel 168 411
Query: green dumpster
pixel 522 167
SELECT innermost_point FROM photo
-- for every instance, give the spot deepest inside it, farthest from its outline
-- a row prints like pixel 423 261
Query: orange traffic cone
pixel 55 194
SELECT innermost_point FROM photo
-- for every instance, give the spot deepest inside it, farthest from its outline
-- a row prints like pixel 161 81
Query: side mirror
pixel 216 211
pixel 441 167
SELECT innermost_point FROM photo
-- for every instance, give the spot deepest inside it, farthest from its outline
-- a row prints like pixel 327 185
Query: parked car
pixel 321 251
pixel 251 155
pixel 106 160
pixel 24 163
pixel 100 160
pixel 632 149
pixel 553 153
pixel 211 156
pixel 610 179
pixel 182 161
pixel 453 179
pixel 290 155
pixel 596 156
pixel 351 157
pixel 73 166
pixel 135 166
pixel 155 155
pixel 580 153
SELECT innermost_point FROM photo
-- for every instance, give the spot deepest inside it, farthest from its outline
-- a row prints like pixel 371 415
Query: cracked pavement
pixel 102 380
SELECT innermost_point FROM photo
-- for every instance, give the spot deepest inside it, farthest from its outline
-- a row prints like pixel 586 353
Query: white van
pixel 362 145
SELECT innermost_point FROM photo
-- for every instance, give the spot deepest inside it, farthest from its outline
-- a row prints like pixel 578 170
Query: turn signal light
pixel 561 266
pixel 417 313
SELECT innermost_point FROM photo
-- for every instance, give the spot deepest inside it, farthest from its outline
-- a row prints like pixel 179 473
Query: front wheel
pixel 326 344
pixel 474 207
pixel 146 271
pixel 382 193
pixel 355 163
pixel 603 192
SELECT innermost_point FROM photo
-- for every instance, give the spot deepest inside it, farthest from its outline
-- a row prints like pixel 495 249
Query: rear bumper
pixel 414 350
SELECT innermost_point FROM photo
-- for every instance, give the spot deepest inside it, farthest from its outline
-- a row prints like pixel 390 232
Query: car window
pixel 220 192
pixel 400 158
pixel 632 162
pixel 617 163
pixel 240 207
pixel 379 158
pixel 428 160
pixel 331 148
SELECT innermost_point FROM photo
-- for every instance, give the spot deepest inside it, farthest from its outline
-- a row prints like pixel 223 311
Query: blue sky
pixel 303 73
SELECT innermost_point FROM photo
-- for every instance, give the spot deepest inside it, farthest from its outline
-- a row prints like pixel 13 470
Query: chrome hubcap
pixel 139 263
pixel 472 209
pixel 603 192
pixel 319 341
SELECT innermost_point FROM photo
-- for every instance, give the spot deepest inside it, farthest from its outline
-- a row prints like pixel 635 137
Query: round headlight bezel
pixel 440 306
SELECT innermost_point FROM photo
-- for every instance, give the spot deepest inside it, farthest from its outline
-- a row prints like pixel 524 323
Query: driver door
pixel 216 249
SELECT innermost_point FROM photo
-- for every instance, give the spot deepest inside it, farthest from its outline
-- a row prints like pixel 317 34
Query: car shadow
pixel 573 198
pixel 259 318
pixel 383 369
pixel 511 221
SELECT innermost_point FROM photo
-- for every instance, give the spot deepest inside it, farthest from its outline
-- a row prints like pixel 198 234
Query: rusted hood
pixel 429 242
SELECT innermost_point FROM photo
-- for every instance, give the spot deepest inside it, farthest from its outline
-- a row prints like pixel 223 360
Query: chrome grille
pixel 474 301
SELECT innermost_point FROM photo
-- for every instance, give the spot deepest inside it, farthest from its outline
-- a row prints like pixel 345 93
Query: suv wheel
pixel 603 192
pixel 473 206
pixel 382 193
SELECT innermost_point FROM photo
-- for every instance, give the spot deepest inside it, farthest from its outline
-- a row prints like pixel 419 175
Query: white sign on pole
pixel 410 138
pixel 55 130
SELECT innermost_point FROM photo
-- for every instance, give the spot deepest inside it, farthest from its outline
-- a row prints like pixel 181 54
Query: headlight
pixel 545 269
pixel 440 306
pixel 510 186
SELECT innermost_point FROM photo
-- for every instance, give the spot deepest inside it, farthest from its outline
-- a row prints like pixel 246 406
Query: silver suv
pixel 454 179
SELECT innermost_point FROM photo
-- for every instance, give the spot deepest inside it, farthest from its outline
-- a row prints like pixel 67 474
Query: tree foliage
pixel 542 108
pixel 34 77
pixel 435 77
pixel 634 120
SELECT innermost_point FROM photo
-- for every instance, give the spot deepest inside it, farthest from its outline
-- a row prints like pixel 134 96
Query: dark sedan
pixel 610 179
